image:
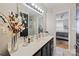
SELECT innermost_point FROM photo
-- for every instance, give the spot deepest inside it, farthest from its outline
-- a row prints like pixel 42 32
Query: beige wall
pixel 5 37
pixel 6 8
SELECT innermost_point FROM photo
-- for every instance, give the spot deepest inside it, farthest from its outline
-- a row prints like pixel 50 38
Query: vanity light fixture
pixel 35 7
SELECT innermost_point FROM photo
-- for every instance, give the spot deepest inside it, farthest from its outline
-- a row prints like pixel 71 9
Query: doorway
pixel 62 31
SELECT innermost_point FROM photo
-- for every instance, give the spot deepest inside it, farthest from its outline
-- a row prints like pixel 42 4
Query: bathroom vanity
pixel 40 47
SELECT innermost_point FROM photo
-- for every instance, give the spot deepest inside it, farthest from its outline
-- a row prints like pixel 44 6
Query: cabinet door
pixel 48 49
pixel 44 51
pixel 77 51
pixel 51 45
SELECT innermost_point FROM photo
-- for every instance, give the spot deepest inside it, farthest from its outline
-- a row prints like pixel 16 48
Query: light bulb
pixel 33 4
pixel 36 6
pixel 40 10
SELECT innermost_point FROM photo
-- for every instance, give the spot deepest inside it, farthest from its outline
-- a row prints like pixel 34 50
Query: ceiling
pixel 53 5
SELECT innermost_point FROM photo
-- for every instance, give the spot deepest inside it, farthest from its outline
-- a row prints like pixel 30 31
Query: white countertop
pixel 32 48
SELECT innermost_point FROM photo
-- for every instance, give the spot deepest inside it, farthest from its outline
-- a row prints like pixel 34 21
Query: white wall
pixel 50 22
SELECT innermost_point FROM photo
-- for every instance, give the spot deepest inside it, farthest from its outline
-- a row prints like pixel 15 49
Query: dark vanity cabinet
pixel 46 50
pixel 77 29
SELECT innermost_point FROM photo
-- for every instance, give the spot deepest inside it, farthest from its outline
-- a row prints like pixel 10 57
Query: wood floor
pixel 62 44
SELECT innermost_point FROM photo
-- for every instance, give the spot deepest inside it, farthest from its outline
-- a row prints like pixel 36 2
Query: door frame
pixel 62 11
